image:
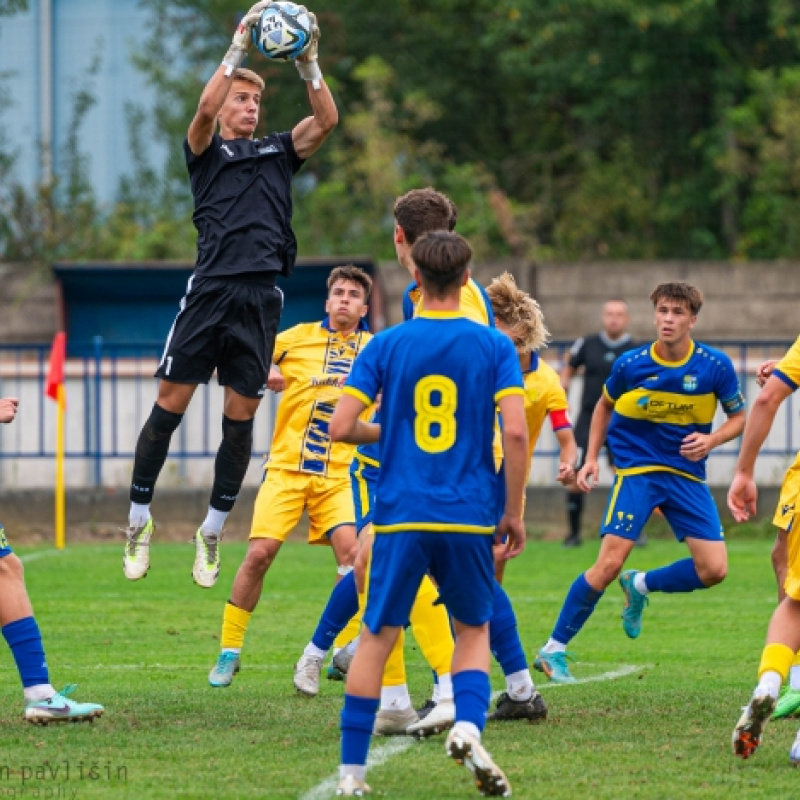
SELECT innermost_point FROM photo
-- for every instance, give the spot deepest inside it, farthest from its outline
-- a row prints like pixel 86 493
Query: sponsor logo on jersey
pixel 785 509
pixel 689 383
pixel 225 149
pixel 270 148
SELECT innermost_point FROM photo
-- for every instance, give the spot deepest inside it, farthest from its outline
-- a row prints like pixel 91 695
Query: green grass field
pixel 144 650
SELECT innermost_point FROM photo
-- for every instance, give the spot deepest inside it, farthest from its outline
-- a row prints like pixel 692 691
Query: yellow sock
pixel 431 627
pixel 351 631
pixel 776 658
pixel 234 625
pixel 394 673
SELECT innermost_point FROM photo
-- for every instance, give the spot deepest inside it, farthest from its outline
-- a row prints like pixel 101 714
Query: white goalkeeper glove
pixel 306 63
pixel 243 37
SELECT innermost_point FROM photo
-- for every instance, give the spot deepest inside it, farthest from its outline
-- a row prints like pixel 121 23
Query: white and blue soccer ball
pixel 283 32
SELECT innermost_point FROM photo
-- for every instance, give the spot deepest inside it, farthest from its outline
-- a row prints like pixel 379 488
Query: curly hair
pixel 519 314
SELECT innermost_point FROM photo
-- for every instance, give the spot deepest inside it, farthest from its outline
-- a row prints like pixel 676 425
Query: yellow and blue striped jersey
pixel 658 403
pixel 440 376
pixel 314 359
pixel 544 395
pixel 788 368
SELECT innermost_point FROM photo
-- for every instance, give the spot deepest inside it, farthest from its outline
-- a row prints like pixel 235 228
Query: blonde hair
pixel 243 74
pixel 519 313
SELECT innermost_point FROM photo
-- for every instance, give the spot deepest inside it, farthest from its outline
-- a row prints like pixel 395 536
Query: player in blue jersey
pixel 656 410
pixel 441 378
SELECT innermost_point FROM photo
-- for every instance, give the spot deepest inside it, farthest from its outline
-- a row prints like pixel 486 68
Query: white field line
pixel 378 755
pixel 381 754
pixel 39 554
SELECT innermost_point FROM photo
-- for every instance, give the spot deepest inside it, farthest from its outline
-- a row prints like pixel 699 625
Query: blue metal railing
pixel 110 390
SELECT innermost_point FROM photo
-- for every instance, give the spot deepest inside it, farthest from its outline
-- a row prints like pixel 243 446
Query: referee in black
pixel 596 354
pixel 229 317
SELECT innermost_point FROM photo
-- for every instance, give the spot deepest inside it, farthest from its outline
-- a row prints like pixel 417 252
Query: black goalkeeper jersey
pixel 243 205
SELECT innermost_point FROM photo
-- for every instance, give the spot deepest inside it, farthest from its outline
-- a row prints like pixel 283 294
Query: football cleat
pixel 794 753
pixel 788 703
pixel 59 708
pixel 206 561
pixel 136 558
pixel 747 733
pixel 466 749
pixel 334 674
pixel 437 720
pixel 226 667
pixel 554 665
pixel 426 708
pixel 350 786
pixel 533 709
pixel 635 602
pixel 343 659
pixel 394 721
pixel 307 672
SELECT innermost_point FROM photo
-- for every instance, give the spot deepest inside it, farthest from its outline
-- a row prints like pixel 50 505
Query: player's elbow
pixel 338 429
pixel 515 436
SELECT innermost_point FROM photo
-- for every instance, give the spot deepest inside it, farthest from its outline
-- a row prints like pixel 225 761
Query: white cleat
pixel 350 786
pixel 306 675
pixel 136 558
pixel 394 721
pixel 206 560
pixel 794 753
pixel 439 719
pixel 344 658
pixel 747 733
pixel 466 749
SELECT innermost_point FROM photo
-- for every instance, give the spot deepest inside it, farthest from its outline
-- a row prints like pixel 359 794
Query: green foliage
pixel 582 129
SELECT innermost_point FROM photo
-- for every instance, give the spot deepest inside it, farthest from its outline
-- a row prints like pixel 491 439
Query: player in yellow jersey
pixel 783 636
pixel 305 469
pixel 519 316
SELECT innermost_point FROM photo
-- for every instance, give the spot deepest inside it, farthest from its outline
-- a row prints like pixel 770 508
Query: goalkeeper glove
pixel 242 38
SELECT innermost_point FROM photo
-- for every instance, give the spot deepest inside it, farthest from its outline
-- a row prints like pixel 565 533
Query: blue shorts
pixel 461 564
pixel 687 506
pixel 363 479
pixel 5 550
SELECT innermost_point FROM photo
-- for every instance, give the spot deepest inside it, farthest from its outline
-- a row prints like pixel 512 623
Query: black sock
pixel 233 459
pixel 574 512
pixel 151 452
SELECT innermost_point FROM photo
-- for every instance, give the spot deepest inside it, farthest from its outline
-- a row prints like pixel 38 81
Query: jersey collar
pixel 664 363
pixel 440 315
pixel 326 323
pixel 534 363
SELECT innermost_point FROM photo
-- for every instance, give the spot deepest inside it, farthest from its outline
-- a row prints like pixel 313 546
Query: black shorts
pixel 227 324
pixel 582 438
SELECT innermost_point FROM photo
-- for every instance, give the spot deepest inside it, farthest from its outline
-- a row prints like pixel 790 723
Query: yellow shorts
pixel 284 495
pixel 785 518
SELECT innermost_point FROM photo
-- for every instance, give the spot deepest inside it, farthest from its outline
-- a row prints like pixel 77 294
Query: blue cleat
pixel 226 667
pixel 554 666
pixel 59 708
pixel 635 602
pixel 334 674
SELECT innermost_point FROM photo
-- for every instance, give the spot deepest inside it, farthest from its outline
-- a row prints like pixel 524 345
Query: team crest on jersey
pixel 689 383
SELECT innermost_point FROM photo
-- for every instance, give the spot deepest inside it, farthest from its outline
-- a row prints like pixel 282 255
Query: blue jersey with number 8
pixel 440 376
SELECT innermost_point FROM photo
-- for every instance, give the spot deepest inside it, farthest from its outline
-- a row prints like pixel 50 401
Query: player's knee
pixel 260 555
pixel 608 569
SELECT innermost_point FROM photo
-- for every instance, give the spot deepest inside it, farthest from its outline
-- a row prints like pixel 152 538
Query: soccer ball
pixel 283 32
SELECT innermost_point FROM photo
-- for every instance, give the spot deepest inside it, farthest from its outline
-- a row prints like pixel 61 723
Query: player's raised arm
pixel 201 128
pixel 310 133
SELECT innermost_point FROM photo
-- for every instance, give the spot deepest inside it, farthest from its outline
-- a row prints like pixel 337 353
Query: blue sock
pixel 25 641
pixel 678 577
pixel 342 606
pixel 578 607
pixel 471 691
pixel 503 634
pixel 357 721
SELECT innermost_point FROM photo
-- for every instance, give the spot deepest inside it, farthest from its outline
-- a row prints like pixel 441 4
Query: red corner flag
pixel 55 374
